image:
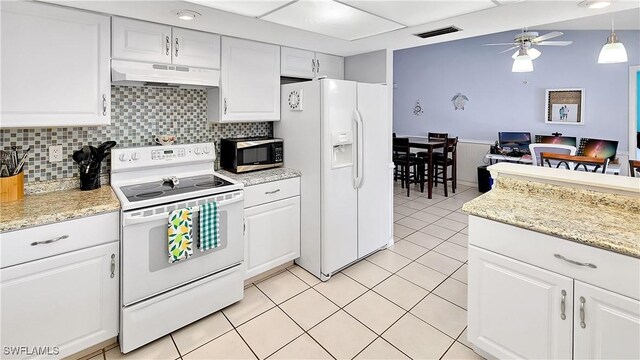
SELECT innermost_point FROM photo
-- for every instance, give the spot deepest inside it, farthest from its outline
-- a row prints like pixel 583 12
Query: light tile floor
pixel 408 301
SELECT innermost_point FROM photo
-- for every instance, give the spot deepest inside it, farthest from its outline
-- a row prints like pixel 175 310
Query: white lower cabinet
pixel 607 324
pixel 272 230
pixel 62 304
pixel 517 310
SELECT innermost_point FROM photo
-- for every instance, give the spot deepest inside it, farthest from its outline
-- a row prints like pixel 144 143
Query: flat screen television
pixel 510 141
pixel 560 140
pixel 598 148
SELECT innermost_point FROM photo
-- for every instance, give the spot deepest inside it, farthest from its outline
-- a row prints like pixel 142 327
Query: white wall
pixel 369 67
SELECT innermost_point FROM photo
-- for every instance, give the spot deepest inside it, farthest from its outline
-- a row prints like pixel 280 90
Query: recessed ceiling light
pixel 595 4
pixel 187 15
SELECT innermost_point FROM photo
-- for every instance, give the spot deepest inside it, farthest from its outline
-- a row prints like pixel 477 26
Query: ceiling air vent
pixel 438 32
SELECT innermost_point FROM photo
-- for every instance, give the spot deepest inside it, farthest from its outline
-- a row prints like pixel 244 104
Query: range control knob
pixel 135 156
pixel 123 157
pixel 196 150
pixel 207 149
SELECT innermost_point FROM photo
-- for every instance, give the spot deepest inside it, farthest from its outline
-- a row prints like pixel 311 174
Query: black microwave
pixel 251 153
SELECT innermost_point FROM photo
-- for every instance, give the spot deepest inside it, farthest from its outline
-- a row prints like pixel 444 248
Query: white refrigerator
pixel 337 133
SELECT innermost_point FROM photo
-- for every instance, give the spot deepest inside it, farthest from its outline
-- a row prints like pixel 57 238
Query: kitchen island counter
pixel 604 220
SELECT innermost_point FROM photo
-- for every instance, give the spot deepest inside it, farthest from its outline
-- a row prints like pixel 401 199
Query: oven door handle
pixel 132 220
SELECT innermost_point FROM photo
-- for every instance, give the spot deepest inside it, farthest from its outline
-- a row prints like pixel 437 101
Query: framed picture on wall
pixel 564 106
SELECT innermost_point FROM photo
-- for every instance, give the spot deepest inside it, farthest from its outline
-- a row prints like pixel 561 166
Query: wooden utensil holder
pixel 12 188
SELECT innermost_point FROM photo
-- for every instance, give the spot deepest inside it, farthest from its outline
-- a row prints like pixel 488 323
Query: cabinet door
pixel 141 41
pixel 516 310
pixel 68 301
pixel 606 325
pixel 54 65
pixel 195 48
pixel 297 63
pixel 272 235
pixel 330 66
pixel 250 81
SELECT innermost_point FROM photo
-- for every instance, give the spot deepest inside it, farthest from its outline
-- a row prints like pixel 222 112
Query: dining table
pixel 429 145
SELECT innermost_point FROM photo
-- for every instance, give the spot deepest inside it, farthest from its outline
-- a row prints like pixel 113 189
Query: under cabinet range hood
pixel 149 74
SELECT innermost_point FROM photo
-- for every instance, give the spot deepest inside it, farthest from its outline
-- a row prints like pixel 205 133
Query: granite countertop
pixel 604 220
pixel 55 206
pixel 262 176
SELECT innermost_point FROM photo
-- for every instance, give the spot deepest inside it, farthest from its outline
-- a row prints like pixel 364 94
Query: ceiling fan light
pixel 613 52
pixel 532 52
pixel 522 63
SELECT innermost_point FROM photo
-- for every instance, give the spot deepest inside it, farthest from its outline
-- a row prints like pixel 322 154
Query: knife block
pixel 12 188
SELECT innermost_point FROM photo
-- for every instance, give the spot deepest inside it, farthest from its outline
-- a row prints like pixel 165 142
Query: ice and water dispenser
pixel 342 142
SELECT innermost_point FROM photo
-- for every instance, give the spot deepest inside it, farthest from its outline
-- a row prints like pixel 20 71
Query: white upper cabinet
pixel 298 63
pixel 249 83
pixel 141 41
pixel 144 41
pixel 330 66
pixel 606 325
pixel 54 65
pixel 308 64
pixel 195 48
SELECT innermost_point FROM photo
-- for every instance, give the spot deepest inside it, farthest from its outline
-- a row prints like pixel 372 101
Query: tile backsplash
pixel 137 115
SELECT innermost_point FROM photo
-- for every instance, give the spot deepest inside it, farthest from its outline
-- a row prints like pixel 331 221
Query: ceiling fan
pixel 524 44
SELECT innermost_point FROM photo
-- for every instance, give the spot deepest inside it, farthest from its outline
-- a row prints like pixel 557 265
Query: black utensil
pixel 78 156
pixel 105 146
pixel 86 150
pixel 22 161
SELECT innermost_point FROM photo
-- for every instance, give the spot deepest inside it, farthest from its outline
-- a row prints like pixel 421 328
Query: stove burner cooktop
pixel 158 189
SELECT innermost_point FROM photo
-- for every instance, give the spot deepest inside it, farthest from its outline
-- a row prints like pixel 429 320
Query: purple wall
pixel 498 99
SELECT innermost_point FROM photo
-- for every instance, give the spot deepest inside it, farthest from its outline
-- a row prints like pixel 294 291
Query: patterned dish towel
pixel 209 226
pixel 179 232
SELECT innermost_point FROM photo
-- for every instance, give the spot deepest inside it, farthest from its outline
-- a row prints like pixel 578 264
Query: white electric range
pixel 158 297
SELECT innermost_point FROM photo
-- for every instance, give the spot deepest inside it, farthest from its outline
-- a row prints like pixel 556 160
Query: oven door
pixel 255 155
pixel 146 270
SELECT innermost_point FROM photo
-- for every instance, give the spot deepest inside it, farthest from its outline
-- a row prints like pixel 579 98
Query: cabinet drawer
pixel 616 272
pixel 26 245
pixel 272 191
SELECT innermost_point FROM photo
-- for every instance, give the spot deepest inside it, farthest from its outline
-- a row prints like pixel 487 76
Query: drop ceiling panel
pixel 411 13
pixel 248 8
pixel 331 18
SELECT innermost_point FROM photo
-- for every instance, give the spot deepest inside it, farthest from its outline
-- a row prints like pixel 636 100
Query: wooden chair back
pixel 437 136
pixel 634 166
pixel 576 161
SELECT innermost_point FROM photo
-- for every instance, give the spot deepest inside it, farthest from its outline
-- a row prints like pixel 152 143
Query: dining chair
pixel 536 149
pixel 441 163
pixel 573 162
pixel 634 167
pixel 437 136
pixel 404 162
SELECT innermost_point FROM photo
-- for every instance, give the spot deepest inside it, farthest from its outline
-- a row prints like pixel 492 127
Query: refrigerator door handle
pixel 359 149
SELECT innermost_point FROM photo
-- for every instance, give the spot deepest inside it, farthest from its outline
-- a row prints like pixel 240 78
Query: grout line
pixel 176 345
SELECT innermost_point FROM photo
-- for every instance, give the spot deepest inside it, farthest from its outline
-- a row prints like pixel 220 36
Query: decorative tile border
pixel 137 115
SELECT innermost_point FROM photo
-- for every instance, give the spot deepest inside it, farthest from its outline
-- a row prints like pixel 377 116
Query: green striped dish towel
pixel 179 231
pixel 209 226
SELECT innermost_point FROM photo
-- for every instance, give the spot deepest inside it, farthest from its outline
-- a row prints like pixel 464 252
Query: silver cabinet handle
pixel 167 45
pixel 313 65
pixel 582 316
pixel 558 256
pixel 104 105
pixel 50 240
pixel 271 192
pixel 225 105
pixel 563 305
pixel 318 65
pixel 177 47
pixel 113 265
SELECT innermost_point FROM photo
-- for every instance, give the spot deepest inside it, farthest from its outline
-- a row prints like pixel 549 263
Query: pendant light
pixel 532 52
pixel 523 62
pixel 613 52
